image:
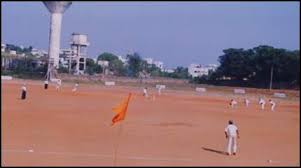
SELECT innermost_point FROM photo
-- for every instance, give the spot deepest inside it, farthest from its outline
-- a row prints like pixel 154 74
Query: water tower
pixel 56 8
pixel 79 44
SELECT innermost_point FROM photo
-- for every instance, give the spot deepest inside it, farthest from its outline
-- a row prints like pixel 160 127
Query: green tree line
pixel 254 67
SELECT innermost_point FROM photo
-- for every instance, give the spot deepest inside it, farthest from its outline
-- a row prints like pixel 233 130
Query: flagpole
pixel 117 144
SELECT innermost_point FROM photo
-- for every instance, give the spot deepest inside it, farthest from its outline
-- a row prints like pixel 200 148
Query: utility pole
pixel 271 80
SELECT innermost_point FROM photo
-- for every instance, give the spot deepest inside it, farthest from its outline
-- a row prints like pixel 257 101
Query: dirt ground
pixel 61 128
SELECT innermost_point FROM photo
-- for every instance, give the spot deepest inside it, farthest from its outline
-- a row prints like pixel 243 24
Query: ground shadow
pixel 216 151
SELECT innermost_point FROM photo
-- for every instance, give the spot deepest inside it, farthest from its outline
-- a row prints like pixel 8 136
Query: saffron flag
pixel 121 110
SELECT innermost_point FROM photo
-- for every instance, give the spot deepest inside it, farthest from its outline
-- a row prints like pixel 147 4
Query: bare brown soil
pixel 178 128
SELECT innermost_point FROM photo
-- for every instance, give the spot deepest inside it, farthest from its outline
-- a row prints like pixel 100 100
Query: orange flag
pixel 121 110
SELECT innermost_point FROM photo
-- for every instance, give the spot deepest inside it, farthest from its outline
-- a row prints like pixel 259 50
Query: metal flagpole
pixel 117 144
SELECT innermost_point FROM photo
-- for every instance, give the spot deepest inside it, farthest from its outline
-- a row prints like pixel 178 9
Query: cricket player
pixel 75 87
pixel 262 103
pixel 247 102
pixel 46 84
pixel 233 103
pixel 58 84
pixel 159 90
pixel 273 104
pixel 145 92
pixel 231 132
pixel 23 94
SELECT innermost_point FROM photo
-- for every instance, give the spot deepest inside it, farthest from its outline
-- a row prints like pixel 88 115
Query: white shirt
pixel 23 88
pixel 144 91
pixel 46 82
pixel 231 130
pixel 272 103
pixel 261 101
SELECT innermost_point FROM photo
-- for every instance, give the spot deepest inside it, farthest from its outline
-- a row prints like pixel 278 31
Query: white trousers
pixel 262 106
pixel 272 108
pixel 232 144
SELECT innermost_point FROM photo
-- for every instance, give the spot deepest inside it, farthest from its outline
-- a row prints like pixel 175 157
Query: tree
pixel 107 57
pixel 257 64
pixel 180 72
pixel 135 64
pixel 115 65
pixel 237 63
pixel 91 67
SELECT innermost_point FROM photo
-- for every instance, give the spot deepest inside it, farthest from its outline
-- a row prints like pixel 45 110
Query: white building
pixel 38 53
pixel 34 51
pixel 197 70
pixel 123 60
pixel 66 52
pixel 103 63
pixel 149 60
pixel 64 62
pixel 159 64
pixel 12 52
pixel 3 46
pixel 169 70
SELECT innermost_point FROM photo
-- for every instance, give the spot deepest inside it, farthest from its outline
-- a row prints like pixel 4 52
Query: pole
pixel 271 80
pixel 70 61
pixel 117 144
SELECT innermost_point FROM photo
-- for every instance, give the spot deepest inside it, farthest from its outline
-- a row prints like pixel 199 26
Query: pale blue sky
pixel 177 33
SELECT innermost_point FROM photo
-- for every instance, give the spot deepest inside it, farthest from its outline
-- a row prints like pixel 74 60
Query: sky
pixel 176 33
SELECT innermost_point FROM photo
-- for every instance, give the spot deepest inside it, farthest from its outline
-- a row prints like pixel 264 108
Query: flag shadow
pixel 215 151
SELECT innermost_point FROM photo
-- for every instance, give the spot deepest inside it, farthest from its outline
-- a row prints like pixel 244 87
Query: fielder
pixel 159 90
pixel 247 102
pixel 262 103
pixel 233 103
pixel 231 132
pixel 23 93
pixel 46 84
pixel 273 104
pixel 145 92
pixel 58 84
pixel 75 87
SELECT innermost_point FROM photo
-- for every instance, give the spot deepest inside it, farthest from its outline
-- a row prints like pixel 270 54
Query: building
pixel 148 60
pixel 197 70
pixel 169 70
pixel 123 60
pixel 38 53
pixel 12 52
pixel 151 61
pixel 159 64
pixel 3 46
pixel 74 58
pixel 34 51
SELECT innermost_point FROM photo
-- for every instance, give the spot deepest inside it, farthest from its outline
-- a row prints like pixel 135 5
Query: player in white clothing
pixel 46 84
pixel 262 103
pixel 231 132
pixel 247 102
pixel 273 104
pixel 159 90
pixel 58 84
pixel 145 92
pixel 75 87
pixel 233 103
pixel 23 91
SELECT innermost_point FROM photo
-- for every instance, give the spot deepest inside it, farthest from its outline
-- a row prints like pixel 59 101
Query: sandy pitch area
pixel 61 128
